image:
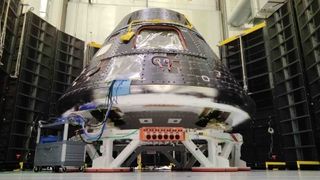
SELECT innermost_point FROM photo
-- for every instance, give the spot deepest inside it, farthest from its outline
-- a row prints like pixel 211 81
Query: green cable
pixel 225 139
pixel 123 136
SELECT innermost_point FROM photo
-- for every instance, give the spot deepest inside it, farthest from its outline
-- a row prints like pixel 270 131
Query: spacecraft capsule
pixel 157 70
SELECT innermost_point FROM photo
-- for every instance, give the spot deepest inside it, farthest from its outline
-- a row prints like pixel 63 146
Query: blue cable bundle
pixel 109 104
pixel 117 88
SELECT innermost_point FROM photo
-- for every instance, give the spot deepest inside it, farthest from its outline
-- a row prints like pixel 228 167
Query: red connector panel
pixel 162 134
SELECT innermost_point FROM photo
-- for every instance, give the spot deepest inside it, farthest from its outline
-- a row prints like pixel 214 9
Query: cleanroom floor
pixel 249 175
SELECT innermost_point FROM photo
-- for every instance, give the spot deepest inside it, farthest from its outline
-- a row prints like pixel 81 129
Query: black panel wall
pixel 50 61
pixel 8 39
pixel 282 64
pixel 291 93
pixel 260 87
pixel 26 96
pixel 259 81
pixel 3 82
pixel 10 31
pixel 308 18
pixel 67 66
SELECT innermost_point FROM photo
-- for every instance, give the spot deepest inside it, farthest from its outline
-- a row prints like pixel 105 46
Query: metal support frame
pixel 4 30
pixel 20 49
pixel 224 149
pixel 243 64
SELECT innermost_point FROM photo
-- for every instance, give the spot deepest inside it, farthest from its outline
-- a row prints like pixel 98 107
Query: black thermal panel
pixel 27 94
pixel 10 17
pixel 291 100
pixel 67 66
pixel 259 81
pixel 308 18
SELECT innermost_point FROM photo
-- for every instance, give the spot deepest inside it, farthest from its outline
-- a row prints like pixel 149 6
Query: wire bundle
pixel 84 135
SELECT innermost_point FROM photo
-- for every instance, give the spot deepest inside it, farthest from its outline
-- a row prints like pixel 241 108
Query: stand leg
pixel 106 158
pixel 125 153
pixel 212 152
pixel 196 152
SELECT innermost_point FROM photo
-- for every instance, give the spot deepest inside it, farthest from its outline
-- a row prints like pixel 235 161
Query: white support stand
pixel 224 149
pixel 106 160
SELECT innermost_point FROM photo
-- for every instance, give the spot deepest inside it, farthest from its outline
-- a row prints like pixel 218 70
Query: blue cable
pixel 104 120
pixel 119 84
pixel 103 125
pixel 80 120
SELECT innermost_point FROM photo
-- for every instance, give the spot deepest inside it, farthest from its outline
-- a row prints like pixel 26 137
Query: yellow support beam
pixel 243 33
pixel 230 39
pixel 299 163
pixel 254 28
pixel 275 164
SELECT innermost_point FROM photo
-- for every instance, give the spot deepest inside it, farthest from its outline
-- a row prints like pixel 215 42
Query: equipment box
pixel 55 150
pixel 64 153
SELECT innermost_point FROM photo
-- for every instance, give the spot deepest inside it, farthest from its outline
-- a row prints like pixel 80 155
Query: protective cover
pixel 155 39
pixel 125 68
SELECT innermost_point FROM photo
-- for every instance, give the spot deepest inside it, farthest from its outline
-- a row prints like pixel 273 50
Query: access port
pixel 165 136
pixel 148 136
pixel 177 136
pixel 154 136
pixel 159 136
pixel 171 136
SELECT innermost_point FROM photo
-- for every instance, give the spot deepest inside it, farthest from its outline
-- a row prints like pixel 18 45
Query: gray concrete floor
pixel 250 175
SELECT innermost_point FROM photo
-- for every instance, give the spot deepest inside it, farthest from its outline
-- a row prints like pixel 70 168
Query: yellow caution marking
pixel 139 162
pixel 274 164
pixel 299 163
pixel 20 167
